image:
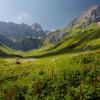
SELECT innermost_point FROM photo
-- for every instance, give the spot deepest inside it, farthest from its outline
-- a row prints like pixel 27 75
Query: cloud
pixel 25 14
pixel 22 16
pixel 19 18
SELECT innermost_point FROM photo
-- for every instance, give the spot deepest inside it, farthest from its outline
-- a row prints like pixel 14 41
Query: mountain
pixel 27 37
pixel 89 16
pixel 21 36
pixel 76 37
pixel 55 36
pixel 12 29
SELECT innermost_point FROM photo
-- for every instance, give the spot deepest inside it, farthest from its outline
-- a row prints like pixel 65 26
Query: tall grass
pixel 67 78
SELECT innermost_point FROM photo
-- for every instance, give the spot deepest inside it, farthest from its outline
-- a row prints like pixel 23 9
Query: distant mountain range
pixel 26 37
pixel 12 29
pixel 21 36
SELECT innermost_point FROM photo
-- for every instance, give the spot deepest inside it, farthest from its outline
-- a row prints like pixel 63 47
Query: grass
pixel 69 70
pixel 8 52
pixel 76 41
pixel 69 77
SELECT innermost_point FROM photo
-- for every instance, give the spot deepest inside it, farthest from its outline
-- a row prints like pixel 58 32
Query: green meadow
pixel 68 70
pixel 63 77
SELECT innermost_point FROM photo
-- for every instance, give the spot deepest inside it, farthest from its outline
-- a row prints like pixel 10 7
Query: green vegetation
pixel 69 70
pixel 68 77
pixel 76 41
pixel 7 52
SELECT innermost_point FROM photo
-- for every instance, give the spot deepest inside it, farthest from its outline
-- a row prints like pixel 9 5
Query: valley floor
pixel 65 77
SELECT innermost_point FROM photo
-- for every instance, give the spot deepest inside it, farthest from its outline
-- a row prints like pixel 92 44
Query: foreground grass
pixel 63 77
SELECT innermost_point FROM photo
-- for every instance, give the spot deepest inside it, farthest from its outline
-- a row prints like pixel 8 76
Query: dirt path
pixel 22 60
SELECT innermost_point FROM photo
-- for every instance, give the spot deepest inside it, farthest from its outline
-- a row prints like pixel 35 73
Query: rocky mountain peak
pixel 36 27
pixel 90 16
pixel 86 18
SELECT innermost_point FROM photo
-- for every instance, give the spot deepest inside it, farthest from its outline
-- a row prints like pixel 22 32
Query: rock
pixel 98 24
pixel 91 15
pixel 53 60
pixel 18 63
pixel 55 36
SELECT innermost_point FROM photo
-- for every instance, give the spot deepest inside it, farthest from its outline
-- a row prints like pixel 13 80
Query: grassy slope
pixel 74 75
pixel 7 52
pixel 45 79
pixel 76 41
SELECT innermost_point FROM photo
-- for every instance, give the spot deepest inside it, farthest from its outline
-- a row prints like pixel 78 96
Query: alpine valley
pixel 36 64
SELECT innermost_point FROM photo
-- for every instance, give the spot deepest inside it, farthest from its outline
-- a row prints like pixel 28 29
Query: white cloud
pixel 22 16
pixel 19 18
pixel 25 14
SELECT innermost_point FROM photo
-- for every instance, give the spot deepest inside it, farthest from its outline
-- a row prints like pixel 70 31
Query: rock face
pixel 90 16
pixel 86 18
pixel 55 36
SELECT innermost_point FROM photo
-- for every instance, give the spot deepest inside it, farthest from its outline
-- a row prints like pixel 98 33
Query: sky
pixel 51 14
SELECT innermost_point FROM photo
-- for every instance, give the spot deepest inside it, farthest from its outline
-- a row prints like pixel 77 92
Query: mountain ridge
pixel 11 28
pixel 91 15
pixel 13 35
pixel 33 37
